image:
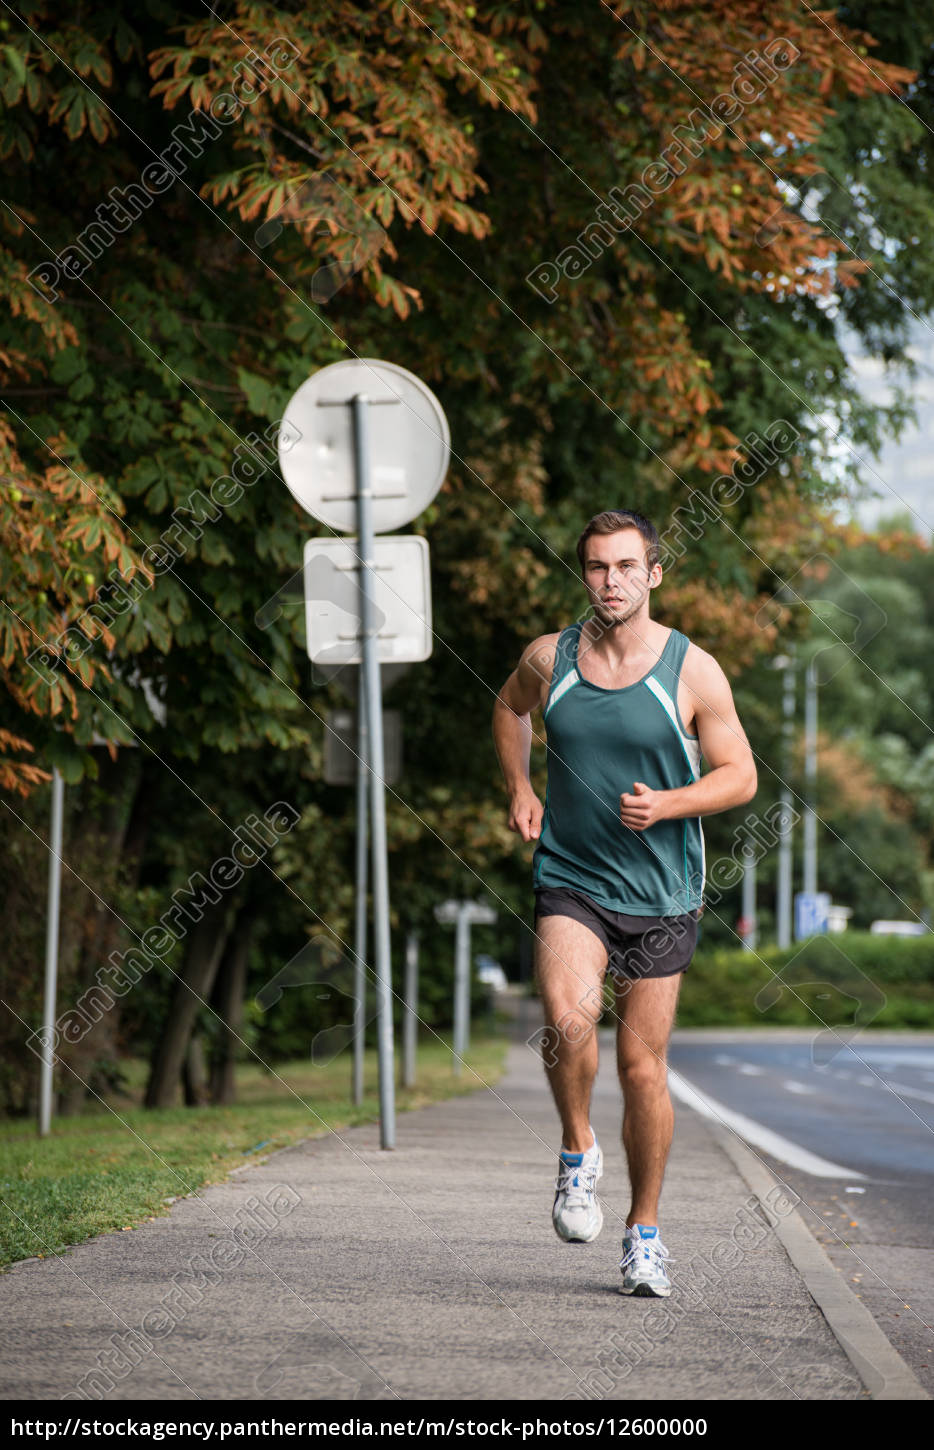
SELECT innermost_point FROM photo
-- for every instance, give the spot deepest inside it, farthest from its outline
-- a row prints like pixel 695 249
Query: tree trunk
pixel 91 928
pixel 194 1076
pixel 206 943
pixel 229 994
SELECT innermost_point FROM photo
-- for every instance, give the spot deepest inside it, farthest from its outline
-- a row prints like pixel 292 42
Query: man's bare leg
pixel 646 1011
pixel 570 964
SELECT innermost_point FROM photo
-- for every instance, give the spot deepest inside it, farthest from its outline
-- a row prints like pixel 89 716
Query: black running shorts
pixel 636 946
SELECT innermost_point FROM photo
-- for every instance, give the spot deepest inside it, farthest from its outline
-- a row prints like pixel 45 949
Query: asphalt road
pixel 850 1129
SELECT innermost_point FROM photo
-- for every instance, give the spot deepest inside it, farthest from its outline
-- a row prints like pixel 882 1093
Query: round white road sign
pixel 409 444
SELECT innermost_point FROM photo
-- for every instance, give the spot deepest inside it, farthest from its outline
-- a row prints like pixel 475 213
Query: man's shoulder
pixel 540 654
pixel 700 667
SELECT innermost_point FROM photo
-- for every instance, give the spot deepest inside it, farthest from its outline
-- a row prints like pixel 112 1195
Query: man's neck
pixel 621 640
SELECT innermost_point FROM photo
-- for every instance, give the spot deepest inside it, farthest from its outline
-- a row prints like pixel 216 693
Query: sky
pixel 903 476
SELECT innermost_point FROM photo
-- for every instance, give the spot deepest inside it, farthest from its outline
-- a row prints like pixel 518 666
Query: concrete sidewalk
pixel 432 1272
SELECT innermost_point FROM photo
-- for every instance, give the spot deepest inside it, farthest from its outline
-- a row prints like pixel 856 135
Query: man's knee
pixel 643 1072
pixel 572 1025
pixel 563 1001
pixel 566 1031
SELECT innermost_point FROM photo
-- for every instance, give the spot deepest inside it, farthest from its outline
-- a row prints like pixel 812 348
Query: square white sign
pixel 402 597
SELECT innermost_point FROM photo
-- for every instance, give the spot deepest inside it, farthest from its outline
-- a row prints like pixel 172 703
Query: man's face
pixel 615 575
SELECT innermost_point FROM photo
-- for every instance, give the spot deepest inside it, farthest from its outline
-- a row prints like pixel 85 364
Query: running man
pixel 630 708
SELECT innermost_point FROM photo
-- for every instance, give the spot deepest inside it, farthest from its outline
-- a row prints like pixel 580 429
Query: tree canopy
pixel 623 244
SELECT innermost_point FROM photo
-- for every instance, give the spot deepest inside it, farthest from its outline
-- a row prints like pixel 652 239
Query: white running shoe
pixel 576 1214
pixel 643 1263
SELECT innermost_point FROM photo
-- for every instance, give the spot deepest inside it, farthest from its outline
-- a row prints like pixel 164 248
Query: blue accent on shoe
pixel 573 1160
pixel 647 1233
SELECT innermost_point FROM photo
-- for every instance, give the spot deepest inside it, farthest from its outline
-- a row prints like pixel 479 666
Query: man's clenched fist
pixel 641 807
pixel 525 815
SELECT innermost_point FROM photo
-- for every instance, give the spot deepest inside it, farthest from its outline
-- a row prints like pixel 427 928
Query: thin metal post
pixel 51 952
pixel 461 985
pixel 360 933
pixel 810 777
pixel 374 712
pixel 410 1027
pixel 749 897
pixel 784 883
pixel 526 972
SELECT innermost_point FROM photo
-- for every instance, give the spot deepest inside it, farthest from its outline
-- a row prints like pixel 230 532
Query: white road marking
pixel 750 1069
pixel 791 1086
pixel 901 1088
pixel 909 1092
pixel 898 1056
pixel 757 1133
pixel 724 1060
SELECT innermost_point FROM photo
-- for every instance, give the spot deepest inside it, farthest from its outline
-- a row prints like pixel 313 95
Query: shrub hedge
pixel 850 978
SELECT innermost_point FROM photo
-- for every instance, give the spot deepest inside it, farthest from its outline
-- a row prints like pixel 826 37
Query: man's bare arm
pixel 732 778
pixel 524 691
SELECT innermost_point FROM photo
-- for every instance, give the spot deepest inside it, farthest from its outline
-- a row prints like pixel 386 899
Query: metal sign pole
pixel 51 952
pixel 360 935
pixel 374 705
pixel 411 1010
pixel 462 914
pixel 328 468
pixel 461 985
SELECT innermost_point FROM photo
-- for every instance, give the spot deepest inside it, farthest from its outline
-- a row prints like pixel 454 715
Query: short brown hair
pixel 611 521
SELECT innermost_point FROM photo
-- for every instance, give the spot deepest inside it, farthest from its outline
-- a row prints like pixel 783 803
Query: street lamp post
pixel 784 885
pixel 810 778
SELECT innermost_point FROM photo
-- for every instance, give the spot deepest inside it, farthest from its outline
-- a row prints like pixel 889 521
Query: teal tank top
pixel 599 742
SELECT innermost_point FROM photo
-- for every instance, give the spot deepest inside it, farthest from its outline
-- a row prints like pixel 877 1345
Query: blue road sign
pixel 811 912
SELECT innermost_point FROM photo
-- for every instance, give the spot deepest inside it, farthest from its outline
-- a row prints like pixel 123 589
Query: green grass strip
pixel 100 1173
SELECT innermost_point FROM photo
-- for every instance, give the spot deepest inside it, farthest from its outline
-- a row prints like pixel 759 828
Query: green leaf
pixel 157 497
pixel 259 392
pixel 16 63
